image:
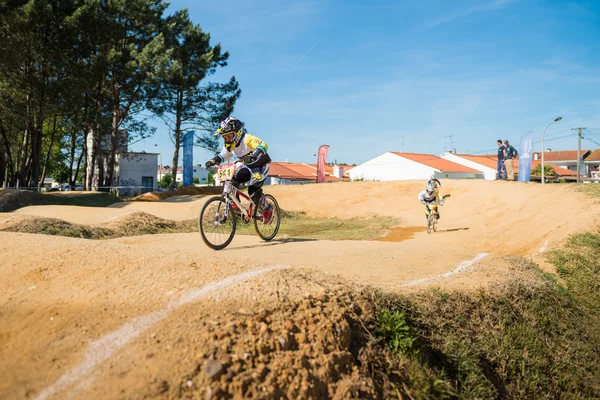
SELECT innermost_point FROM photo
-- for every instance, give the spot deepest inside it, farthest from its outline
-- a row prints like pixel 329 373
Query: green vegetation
pixel 548 170
pixel 578 264
pixel 131 225
pixel 298 225
pixel 11 199
pixel 591 189
pixel 77 72
pixel 526 338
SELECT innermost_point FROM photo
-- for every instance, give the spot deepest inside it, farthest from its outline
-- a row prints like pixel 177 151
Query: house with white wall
pixel 565 159
pixel 136 173
pixel 397 166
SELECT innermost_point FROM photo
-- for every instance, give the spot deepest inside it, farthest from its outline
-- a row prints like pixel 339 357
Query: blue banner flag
pixel 525 156
pixel 188 158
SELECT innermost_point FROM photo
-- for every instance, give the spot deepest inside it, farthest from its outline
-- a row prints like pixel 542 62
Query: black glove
pixel 248 158
pixel 209 164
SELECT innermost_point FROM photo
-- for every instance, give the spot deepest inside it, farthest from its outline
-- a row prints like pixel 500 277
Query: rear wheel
pixel 267 231
pixel 216 228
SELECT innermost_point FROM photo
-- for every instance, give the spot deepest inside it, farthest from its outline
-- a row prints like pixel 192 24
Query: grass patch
pixel 591 189
pixel 578 264
pixel 11 199
pixel 528 338
pixel 130 225
pixel 298 225
pixel 292 225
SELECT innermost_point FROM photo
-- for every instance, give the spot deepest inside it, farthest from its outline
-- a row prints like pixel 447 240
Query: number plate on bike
pixel 225 172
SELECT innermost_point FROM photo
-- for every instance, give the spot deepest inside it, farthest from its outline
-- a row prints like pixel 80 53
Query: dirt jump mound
pixel 183 191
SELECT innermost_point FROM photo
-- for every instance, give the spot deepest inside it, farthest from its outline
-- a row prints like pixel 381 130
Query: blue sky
pixel 370 77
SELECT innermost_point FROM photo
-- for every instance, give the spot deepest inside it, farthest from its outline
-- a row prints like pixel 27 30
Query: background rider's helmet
pixel 232 130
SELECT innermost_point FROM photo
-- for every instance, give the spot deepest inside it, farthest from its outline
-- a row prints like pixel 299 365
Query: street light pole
pixel 543 151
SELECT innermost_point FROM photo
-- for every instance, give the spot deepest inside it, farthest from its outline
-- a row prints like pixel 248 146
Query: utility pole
pixel 451 144
pixel 578 154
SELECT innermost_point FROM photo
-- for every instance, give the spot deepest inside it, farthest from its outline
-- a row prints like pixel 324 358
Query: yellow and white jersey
pixel 248 144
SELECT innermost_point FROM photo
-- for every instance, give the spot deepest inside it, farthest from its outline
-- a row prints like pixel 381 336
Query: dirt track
pixel 58 295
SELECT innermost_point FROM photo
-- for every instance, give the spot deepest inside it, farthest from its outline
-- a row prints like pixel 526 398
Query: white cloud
pixel 494 5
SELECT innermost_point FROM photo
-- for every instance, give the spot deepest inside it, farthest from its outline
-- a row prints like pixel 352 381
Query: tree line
pixel 79 78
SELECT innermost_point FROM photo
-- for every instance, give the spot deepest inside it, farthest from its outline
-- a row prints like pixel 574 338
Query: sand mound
pixel 135 224
pixel 183 191
pixel 13 199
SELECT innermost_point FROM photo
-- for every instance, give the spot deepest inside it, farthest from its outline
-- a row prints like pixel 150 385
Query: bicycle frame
pixel 230 193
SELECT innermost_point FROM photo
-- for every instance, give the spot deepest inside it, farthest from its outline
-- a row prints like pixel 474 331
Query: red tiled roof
pixel 299 172
pixel 436 162
pixel 329 168
pixel 492 162
pixel 566 155
pixel 595 156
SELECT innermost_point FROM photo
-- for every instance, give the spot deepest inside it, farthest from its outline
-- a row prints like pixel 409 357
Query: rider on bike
pixel 253 152
pixel 428 197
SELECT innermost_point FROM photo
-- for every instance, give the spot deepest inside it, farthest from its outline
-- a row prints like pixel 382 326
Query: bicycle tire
pixel 231 217
pixel 276 219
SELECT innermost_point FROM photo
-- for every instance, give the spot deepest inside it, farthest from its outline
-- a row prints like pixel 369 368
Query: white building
pixel 565 159
pixel 136 173
pixel 485 164
pixel 395 166
pixel 201 174
pixel 592 163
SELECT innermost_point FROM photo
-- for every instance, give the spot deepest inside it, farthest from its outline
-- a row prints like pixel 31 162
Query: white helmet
pixel 430 189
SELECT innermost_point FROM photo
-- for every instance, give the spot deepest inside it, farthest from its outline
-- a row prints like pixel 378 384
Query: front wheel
pixel 216 228
pixel 264 228
pixel 430 222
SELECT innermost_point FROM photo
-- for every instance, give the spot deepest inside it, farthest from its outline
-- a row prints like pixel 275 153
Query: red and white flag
pixel 321 163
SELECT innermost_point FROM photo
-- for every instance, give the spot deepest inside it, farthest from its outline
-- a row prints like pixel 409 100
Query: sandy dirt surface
pixel 81 318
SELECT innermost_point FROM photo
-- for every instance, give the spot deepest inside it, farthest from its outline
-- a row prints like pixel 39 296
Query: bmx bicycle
pixel 220 215
pixel 432 220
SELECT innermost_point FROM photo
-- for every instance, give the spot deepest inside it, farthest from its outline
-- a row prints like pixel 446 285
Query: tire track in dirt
pixel 103 348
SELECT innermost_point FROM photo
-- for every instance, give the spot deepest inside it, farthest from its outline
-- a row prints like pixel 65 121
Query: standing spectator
pixel 501 169
pixel 509 159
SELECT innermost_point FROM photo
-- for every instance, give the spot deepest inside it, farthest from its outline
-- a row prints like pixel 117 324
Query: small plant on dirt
pixel 399 336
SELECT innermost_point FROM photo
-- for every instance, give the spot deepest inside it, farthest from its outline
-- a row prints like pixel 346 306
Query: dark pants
pixel 501 170
pixel 244 175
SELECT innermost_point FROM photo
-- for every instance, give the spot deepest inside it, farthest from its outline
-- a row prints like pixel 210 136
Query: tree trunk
pixel 178 113
pixel 24 156
pixel 2 165
pixel 77 169
pixel 41 183
pixel 36 143
pixel 72 156
pixel 10 176
pixel 114 137
pixel 86 128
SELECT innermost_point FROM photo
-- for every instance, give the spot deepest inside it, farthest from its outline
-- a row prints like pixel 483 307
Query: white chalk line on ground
pixel 103 348
pixel 543 249
pixel 122 215
pixel 460 268
pixel 7 219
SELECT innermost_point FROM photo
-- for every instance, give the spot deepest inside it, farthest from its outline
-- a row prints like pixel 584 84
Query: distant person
pixel 501 168
pixel 509 159
pixel 427 197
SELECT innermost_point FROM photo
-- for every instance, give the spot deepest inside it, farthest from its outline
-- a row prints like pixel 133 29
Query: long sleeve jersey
pixel 248 144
